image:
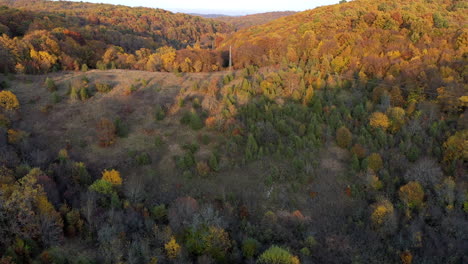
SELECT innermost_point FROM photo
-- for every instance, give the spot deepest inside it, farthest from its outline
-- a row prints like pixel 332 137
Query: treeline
pixel 44 36
pixel 240 22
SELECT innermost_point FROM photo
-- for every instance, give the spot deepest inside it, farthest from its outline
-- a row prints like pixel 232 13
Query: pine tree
pixel 251 150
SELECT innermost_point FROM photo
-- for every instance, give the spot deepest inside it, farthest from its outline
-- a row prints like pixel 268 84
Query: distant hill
pixel 76 33
pixel 240 22
pixel 209 15
pixel 419 45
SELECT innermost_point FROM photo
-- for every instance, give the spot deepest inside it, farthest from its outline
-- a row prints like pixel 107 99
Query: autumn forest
pixel 138 135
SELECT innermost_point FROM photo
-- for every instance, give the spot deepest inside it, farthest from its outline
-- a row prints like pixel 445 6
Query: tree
pixel 375 162
pixel 50 84
pixel 383 216
pixel 251 150
pixel 34 216
pixel 172 248
pixel 8 100
pixel 277 255
pixel 343 137
pixel 379 120
pixel 112 176
pixel 250 247
pixel 106 132
pixel 412 194
pixel 456 147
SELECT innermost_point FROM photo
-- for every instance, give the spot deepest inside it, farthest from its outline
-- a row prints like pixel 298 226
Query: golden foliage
pixel 406 257
pixel 379 120
pixel 112 176
pixel 456 147
pixel 172 248
pixel 382 211
pixel 8 100
pixel 412 194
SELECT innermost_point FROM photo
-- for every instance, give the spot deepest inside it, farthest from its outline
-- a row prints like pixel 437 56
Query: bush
pixel 195 122
pixel 121 129
pixel 84 94
pixel 143 159
pixel 159 114
pixel 103 87
pixel 50 84
pixel 277 255
pixel 84 68
pixel 106 132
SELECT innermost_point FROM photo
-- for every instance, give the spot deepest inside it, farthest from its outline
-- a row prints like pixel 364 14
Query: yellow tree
pixel 379 120
pixel 172 248
pixel 412 194
pixel 112 176
pixel 456 147
pixel 8 100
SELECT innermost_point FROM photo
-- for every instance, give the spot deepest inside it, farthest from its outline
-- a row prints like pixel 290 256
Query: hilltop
pixel 240 22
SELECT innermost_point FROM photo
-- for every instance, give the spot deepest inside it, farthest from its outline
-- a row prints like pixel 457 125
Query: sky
pixel 236 7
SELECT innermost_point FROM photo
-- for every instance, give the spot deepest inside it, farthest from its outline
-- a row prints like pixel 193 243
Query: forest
pixel 338 134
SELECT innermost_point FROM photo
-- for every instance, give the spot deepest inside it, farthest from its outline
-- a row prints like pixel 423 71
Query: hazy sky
pixel 226 7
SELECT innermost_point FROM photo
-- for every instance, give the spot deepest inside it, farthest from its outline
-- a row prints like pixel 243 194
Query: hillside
pixel 240 22
pixel 339 136
pixel 66 35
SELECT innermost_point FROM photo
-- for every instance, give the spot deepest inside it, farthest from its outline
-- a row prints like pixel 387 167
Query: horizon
pixel 210 7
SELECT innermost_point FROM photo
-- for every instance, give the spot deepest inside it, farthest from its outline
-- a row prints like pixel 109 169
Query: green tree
pixel 251 150
pixel 277 255
pixel 343 137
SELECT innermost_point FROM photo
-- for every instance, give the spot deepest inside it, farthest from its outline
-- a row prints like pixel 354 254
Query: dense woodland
pixel 240 22
pixel 340 135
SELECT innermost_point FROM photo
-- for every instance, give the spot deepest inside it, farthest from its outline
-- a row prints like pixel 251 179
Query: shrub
pixel 112 176
pixel 8 100
pixel 213 162
pixel 343 137
pixel 202 168
pixel 103 87
pixel 4 121
pixel 106 132
pixel 74 94
pixel 195 122
pixel 159 114
pixel 50 84
pixel 121 129
pixel 277 255
pixel 143 159
pixel 84 67
pixel 84 94
pixel 412 194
